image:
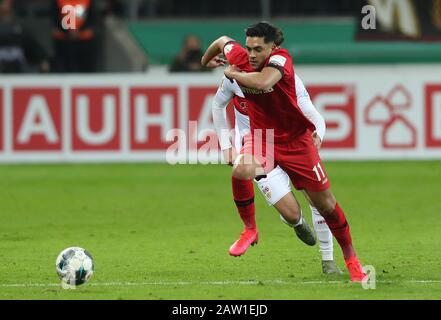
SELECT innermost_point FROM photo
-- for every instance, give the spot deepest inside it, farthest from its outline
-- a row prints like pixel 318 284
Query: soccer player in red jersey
pixel 275 187
pixel 270 91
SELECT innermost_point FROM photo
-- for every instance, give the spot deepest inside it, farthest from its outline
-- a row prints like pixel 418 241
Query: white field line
pixel 220 283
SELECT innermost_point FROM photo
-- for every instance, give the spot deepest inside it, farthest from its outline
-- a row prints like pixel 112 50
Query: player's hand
pixel 229 156
pixel 216 62
pixel 231 71
pixel 316 140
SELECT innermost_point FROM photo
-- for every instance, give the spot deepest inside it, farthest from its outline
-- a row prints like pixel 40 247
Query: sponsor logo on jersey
pixel 255 91
pixel 242 107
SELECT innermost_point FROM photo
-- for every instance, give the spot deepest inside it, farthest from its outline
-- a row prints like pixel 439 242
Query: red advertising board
pixel 433 116
pixel 96 119
pixel 153 112
pixel 337 106
pixel 37 117
pixel 126 119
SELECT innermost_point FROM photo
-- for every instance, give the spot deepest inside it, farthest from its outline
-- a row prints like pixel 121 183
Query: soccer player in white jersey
pixel 275 187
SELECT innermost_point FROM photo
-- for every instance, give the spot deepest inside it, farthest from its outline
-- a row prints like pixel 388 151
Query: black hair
pixel 269 32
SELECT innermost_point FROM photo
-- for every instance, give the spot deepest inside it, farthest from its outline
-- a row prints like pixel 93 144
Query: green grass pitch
pixel 162 232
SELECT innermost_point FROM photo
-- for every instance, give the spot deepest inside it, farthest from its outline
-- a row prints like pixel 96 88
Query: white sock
pixel 300 220
pixel 324 235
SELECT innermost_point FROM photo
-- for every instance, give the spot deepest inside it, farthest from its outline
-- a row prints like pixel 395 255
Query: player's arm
pixel 262 80
pixel 220 102
pixel 307 107
pixel 218 108
pixel 214 49
pixel 316 118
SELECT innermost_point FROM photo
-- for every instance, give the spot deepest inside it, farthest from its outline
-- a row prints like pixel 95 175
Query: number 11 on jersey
pixel 317 172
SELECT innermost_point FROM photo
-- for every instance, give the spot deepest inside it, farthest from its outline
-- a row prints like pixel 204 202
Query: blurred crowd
pixel 19 51
pixel 73 35
pixel 189 59
pixel 74 39
pixel 62 49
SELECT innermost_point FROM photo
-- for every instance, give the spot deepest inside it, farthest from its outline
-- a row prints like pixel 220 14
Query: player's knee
pixel 243 172
pixel 326 207
pixel 292 216
pixel 290 211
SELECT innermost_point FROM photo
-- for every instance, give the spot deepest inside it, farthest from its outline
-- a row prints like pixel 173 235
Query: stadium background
pixel 161 231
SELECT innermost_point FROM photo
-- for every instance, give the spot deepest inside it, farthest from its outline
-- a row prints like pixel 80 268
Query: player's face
pixel 258 51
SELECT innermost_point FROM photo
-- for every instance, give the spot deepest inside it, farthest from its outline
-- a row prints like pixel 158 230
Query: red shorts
pixel 299 159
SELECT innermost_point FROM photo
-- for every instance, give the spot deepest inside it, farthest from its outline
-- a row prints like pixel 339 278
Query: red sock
pixel 340 229
pixel 243 193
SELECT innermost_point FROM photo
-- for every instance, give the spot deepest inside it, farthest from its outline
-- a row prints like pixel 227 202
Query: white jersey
pixel 228 89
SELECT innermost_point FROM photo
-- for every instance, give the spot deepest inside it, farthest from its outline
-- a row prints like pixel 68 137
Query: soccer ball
pixel 74 266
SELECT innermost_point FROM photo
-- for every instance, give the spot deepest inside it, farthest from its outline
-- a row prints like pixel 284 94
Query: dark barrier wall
pixel 310 41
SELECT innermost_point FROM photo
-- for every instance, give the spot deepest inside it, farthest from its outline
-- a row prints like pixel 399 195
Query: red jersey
pixel 275 108
pixel 240 60
pixel 237 55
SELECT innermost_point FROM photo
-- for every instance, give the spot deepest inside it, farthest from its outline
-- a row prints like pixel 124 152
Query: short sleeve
pixel 281 60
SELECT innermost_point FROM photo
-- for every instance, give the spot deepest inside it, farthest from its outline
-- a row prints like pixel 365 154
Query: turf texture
pixel 158 231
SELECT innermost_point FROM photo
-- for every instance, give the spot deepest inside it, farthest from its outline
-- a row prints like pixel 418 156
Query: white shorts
pixel 275 186
pixel 277 183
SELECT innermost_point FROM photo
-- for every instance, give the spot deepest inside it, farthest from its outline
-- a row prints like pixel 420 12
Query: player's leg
pixel 247 167
pixel 289 207
pixel 243 190
pixel 326 204
pixel 307 172
pixel 326 244
pixel 324 236
pixel 328 207
pixel 243 195
pixel 250 163
pixel 276 189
